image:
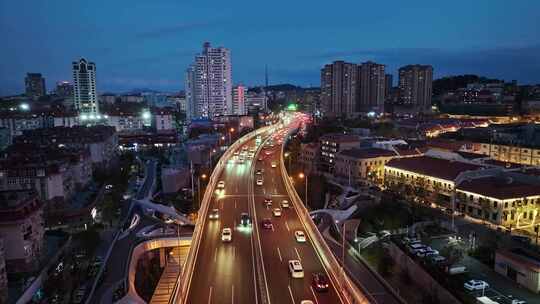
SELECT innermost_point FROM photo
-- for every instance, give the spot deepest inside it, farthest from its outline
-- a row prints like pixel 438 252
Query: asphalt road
pixel 228 272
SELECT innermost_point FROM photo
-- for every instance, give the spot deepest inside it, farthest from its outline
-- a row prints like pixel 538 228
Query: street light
pixel 287 154
pixel 203 176
pixel 302 176
pixel 231 130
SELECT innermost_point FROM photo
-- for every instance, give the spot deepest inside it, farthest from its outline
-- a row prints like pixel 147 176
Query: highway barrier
pixel 184 280
pixel 351 293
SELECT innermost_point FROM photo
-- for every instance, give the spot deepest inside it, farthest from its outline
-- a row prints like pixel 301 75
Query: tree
pixel 453 254
pixel 89 239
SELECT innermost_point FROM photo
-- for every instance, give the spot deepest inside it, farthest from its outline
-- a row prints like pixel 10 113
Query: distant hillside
pixel 278 87
pixel 452 83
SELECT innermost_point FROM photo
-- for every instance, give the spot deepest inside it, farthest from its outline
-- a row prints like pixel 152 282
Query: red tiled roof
pixel 431 166
pixel 446 144
pixel 367 153
pixel 500 188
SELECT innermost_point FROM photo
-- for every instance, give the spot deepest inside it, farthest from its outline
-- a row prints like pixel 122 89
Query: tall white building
pixel 239 100
pixel 84 89
pixel 209 84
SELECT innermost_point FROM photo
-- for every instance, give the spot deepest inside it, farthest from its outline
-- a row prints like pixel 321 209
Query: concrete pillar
pixel 162 257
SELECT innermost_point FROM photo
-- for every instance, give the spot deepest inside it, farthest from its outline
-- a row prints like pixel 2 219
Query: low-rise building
pixel 309 157
pixel 507 153
pixel 428 175
pixel 521 266
pixel 5 138
pixel 22 229
pixel 163 120
pixel 362 164
pixel 101 141
pixel 17 122
pixel 508 199
pixel 333 143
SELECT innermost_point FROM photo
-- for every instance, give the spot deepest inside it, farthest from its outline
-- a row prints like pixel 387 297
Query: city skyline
pixel 153 54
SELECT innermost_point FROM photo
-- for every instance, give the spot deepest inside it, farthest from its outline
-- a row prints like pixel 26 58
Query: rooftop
pixel 340 138
pixel 367 153
pixel 524 257
pixel 499 187
pixel 431 166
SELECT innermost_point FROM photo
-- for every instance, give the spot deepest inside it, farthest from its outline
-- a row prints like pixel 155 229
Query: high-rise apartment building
pixel 370 90
pixel 338 88
pixel 64 89
pixel 239 100
pixel 209 83
pixel 415 86
pixel 84 89
pixel 35 85
pixel 388 84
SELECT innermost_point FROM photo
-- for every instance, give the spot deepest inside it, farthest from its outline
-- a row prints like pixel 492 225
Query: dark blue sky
pixel 150 43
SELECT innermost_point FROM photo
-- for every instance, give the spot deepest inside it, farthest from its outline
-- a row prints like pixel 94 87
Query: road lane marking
pixel 290 293
pixel 287 226
pixel 234 204
pixel 232 294
pixel 314 295
pixel 215 255
pixel 234 253
pixel 297 254
pixel 279 254
pixel 210 296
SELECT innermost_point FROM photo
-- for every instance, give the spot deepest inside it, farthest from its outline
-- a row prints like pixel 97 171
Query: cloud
pixel 173 29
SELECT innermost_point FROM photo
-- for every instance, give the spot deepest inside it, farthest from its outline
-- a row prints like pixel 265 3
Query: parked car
pixel 475 285
pixel 415 247
pixel 456 269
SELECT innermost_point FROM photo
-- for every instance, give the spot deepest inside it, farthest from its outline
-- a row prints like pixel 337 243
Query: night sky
pixel 149 44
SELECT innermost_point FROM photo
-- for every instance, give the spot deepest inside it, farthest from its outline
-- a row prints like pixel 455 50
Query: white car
pixel 300 236
pixel 284 204
pixel 475 285
pixel 221 185
pixel 277 211
pixel 274 164
pixel 295 269
pixel 226 235
pixel 259 182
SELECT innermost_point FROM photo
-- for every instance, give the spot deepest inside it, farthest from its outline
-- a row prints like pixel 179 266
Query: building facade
pixel 209 84
pixel 34 85
pixel 84 89
pixel 338 88
pixel 415 86
pixel 309 157
pixel 371 87
pixel 331 144
pixel 521 266
pixel 239 100
pixel 22 229
pixel 366 164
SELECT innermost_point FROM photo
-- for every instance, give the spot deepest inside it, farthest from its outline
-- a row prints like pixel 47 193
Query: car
pixel 295 269
pixel 415 247
pixel 268 202
pixel 259 182
pixel 522 239
pixel 319 281
pixel 427 251
pixel 273 164
pixel 226 235
pixel 306 302
pixel 300 236
pixel 260 159
pixel 384 233
pixel 475 285
pixel 236 153
pixel 267 223
pixel 245 219
pixel 276 211
pixel 221 185
pixel 214 214
pixel 259 172
pixel 284 204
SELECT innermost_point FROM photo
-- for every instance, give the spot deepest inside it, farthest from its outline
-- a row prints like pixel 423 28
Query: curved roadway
pixel 229 272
